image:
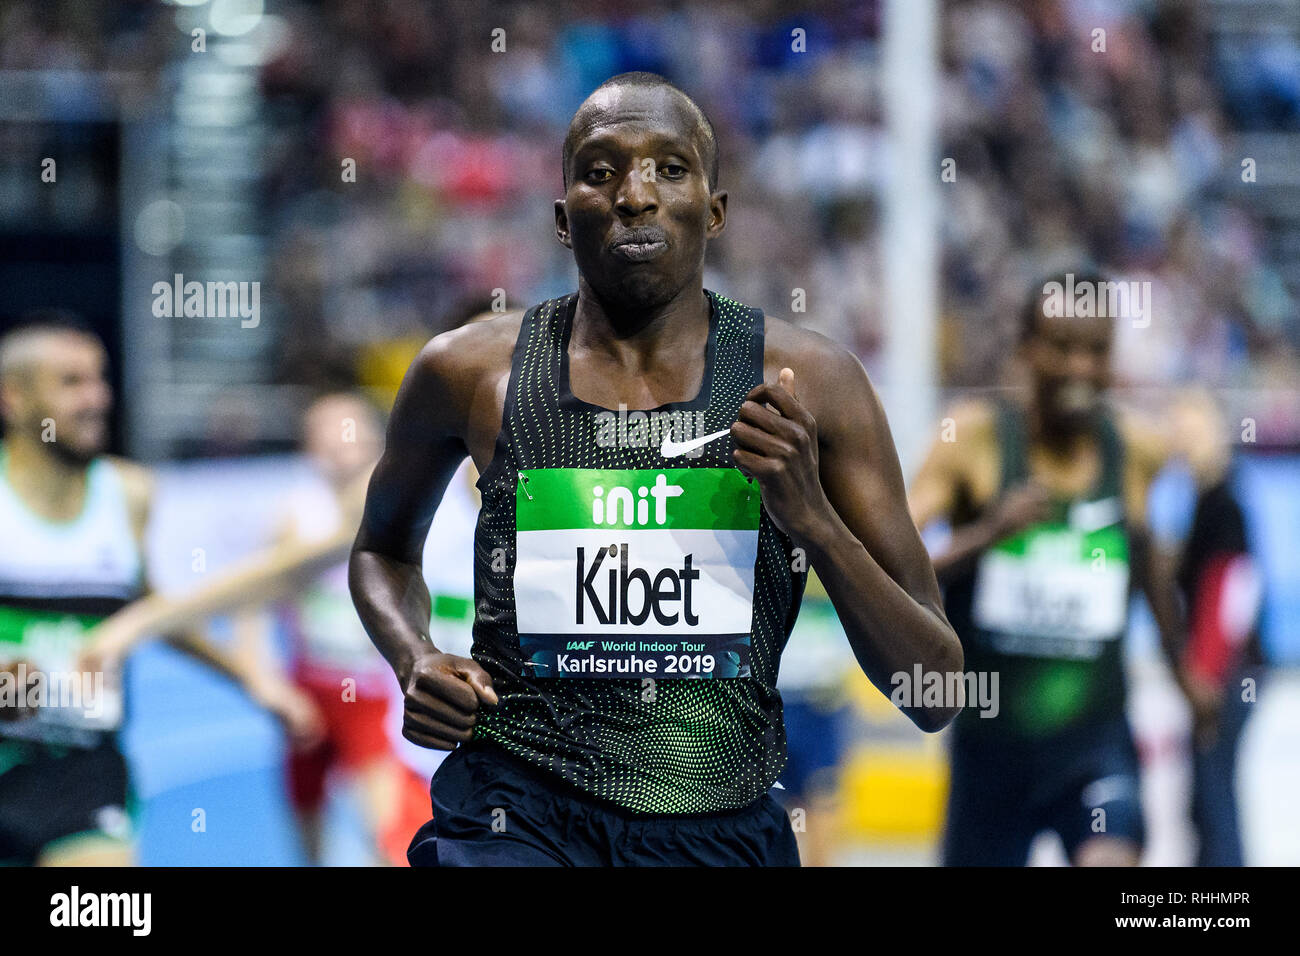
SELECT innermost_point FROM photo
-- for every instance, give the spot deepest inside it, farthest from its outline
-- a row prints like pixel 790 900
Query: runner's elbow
pixel 950 663
pixel 931 720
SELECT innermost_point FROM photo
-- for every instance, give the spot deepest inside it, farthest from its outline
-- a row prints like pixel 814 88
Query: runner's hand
pixel 1206 701
pixel 443 694
pixel 11 714
pixel 107 643
pixel 1022 506
pixel 776 443
pixel 296 710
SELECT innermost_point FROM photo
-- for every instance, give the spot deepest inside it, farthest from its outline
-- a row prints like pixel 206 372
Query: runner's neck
pixel 52 488
pixel 634 340
pixel 1058 444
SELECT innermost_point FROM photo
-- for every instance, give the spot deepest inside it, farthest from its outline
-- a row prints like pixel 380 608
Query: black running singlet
pixel 632 596
pixel 1046 609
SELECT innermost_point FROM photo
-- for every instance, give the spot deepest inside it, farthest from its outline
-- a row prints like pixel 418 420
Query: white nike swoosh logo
pixel 1093 515
pixel 672 449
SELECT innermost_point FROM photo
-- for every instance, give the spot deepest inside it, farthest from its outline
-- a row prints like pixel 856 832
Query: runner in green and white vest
pixel 72 523
pixel 1044 489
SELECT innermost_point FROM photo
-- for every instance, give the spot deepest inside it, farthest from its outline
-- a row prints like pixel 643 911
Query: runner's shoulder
pixel 965 439
pixel 1144 441
pixel 787 344
pixel 463 358
pixel 972 418
pixel 828 378
pixel 137 479
pixel 138 486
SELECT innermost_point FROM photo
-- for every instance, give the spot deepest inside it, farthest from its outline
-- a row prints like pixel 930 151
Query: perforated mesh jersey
pixel 681 746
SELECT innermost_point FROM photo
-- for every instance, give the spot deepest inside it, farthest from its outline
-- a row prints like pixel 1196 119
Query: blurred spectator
pixel 1222 589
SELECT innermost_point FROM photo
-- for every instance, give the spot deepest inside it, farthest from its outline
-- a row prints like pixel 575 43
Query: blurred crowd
pixel 1121 151
pixel 1128 158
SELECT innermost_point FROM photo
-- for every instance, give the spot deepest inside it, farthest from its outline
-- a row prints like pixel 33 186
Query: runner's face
pixel 339 435
pixel 638 211
pixel 1069 359
pixel 68 387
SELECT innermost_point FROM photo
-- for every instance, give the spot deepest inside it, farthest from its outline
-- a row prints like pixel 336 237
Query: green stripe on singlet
pixel 449 608
pixel 713 499
pixel 15 622
pixel 1109 541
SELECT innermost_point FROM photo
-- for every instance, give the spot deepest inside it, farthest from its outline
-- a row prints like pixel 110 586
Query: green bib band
pixel 635 572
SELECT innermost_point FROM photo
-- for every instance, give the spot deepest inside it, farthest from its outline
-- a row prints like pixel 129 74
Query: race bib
pixel 1054 590
pixel 636 573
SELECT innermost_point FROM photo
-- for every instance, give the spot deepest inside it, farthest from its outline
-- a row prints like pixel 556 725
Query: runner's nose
pixel 636 195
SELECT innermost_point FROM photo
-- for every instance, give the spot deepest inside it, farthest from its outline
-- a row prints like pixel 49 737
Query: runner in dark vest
pixel 637 573
pixel 1045 491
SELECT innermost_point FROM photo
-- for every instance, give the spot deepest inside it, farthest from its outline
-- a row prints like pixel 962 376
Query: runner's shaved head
pixel 23 349
pixel 595 109
pixel 54 389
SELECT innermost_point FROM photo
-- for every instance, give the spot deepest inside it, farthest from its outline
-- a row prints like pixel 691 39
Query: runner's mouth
pixel 640 251
pixel 1076 397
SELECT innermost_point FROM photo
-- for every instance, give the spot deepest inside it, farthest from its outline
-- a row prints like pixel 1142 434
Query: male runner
pixel 72 524
pixel 637 573
pixel 1046 497
pixel 332 660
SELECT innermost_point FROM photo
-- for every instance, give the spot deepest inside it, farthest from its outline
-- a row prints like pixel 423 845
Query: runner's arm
pixel 423 449
pixel 836 487
pixel 940 479
pixel 421 453
pixel 932 497
pixel 258 579
pixel 1153 575
pixel 1152 566
pixel 266 686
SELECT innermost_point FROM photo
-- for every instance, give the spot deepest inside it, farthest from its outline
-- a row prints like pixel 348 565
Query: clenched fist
pixel 777 445
pixel 443 694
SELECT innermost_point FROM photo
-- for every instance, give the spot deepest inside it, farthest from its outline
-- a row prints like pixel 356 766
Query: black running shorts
pixel 49 794
pixel 490 809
